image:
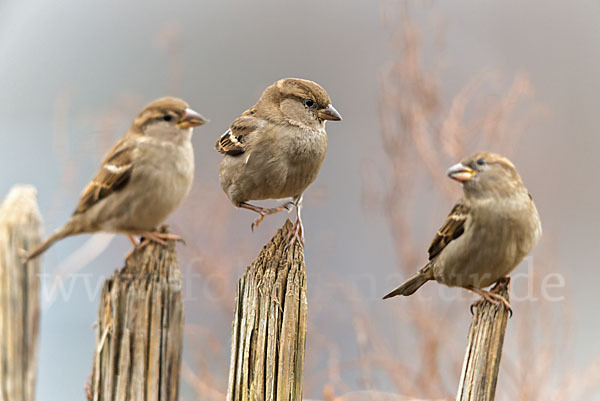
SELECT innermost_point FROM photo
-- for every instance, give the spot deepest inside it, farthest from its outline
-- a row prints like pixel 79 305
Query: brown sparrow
pixel 143 178
pixel 275 149
pixel 487 233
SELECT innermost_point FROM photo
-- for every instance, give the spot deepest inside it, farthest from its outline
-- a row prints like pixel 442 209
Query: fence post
pixel 484 349
pixel 20 231
pixel 140 329
pixel 269 325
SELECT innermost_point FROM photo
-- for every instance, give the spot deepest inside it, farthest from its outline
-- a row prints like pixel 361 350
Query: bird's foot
pixel 296 234
pixel 490 297
pixel 263 211
pixel 148 237
pixel 160 238
pixel 151 236
pixel 133 241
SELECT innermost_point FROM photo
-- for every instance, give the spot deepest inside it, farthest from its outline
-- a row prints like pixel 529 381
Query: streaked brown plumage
pixel 143 178
pixel 275 149
pixel 487 233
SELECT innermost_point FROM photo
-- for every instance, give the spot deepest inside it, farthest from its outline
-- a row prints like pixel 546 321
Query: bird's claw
pixel 296 234
pixel 262 212
pixel 256 222
pixel 160 238
pixel 493 298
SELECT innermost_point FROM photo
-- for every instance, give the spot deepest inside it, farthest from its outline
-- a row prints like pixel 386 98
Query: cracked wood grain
pixel 269 325
pixel 484 349
pixel 20 231
pixel 140 329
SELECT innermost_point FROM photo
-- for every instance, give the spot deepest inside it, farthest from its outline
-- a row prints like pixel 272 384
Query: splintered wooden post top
pixel 140 329
pixel 269 325
pixel 484 349
pixel 153 258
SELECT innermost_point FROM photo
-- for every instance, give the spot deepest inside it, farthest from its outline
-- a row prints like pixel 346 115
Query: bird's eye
pixel 309 102
pixel 167 117
pixel 481 162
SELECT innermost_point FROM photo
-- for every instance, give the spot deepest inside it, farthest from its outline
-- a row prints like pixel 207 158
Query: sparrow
pixel 487 233
pixel 275 149
pixel 143 178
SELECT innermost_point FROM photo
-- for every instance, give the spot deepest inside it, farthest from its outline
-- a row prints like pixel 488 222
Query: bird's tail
pixel 61 233
pixel 413 283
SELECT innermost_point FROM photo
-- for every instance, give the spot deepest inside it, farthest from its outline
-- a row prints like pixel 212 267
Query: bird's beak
pixel 461 173
pixel 191 119
pixel 329 113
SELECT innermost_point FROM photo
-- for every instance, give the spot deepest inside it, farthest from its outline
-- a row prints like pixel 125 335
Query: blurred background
pixel 420 85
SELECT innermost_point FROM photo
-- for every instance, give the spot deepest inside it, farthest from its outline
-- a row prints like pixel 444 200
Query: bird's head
pixel 298 102
pixel 487 174
pixel 167 118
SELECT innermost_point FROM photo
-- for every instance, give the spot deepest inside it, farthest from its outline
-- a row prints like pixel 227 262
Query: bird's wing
pixel 453 227
pixel 232 142
pixel 112 177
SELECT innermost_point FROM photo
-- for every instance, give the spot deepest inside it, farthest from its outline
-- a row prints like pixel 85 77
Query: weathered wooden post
pixel 20 231
pixel 140 329
pixel 269 325
pixel 484 349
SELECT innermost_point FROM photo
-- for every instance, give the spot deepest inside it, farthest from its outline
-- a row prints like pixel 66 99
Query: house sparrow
pixel 143 178
pixel 487 233
pixel 275 149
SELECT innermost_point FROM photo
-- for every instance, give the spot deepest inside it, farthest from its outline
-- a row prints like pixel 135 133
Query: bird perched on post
pixel 143 178
pixel 275 149
pixel 487 233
